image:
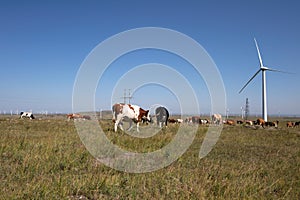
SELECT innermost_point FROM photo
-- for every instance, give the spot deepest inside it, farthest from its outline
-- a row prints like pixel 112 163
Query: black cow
pixel 296 124
pixel 162 116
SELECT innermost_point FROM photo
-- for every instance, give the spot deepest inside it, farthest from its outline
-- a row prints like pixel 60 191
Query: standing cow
pixel 216 119
pixel 27 115
pixel 133 112
pixel 162 116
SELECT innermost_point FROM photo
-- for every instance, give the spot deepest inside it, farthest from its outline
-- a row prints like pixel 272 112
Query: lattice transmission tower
pixel 247 111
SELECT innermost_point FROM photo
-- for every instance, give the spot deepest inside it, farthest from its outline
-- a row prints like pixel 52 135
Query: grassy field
pixel 45 159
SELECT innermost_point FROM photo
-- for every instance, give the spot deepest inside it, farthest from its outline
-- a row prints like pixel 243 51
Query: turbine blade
pixel 258 52
pixel 250 80
pixel 276 70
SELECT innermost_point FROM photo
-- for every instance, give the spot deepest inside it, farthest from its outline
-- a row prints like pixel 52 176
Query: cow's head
pixel 146 116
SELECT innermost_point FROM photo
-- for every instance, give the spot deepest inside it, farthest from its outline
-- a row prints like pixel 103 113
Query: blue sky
pixel 43 44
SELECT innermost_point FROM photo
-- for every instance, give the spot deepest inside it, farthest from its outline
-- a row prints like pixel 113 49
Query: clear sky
pixel 43 44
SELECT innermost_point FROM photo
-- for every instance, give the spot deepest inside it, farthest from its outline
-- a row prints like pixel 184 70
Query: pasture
pixel 45 159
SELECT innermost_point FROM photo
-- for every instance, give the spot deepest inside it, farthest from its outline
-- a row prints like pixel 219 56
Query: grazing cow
pixel 78 116
pixel 260 122
pixel 175 121
pixel 196 120
pixel 133 112
pixel 249 122
pixel 74 116
pixel 230 122
pixel 275 124
pixel 239 121
pixel 297 124
pixel 87 117
pixel 204 121
pixel 172 121
pixel 217 119
pixel 179 121
pixel 290 124
pixel 26 115
pixel 162 116
pixel 188 120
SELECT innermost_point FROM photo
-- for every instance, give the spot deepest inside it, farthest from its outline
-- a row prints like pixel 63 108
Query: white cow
pixel 217 119
pixel 27 115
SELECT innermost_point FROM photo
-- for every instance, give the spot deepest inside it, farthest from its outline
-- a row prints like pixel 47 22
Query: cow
pixel 239 122
pixel 275 124
pixel 297 124
pixel 204 121
pixel 179 121
pixel 162 116
pixel 230 122
pixel 26 115
pixel 78 116
pixel 260 122
pixel 196 120
pixel 249 122
pixel 217 119
pixel 132 112
pixel 290 124
pixel 172 121
pixel 86 117
pixel 175 121
pixel 188 120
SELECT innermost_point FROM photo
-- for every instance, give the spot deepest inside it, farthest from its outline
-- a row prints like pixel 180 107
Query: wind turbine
pixel 262 69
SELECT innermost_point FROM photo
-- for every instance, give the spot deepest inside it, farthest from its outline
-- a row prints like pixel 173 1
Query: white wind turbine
pixel 262 69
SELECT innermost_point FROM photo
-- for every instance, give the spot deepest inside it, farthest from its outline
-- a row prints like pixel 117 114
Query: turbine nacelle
pixel 264 68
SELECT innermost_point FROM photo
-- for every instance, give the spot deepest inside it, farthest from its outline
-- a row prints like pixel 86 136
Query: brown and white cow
pixel 249 122
pixel 76 116
pixel 172 121
pixel 239 122
pixel 133 112
pixel 275 124
pixel 290 124
pixel 230 122
pixel 260 121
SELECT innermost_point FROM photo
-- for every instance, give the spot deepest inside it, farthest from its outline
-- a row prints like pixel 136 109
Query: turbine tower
pixel 262 69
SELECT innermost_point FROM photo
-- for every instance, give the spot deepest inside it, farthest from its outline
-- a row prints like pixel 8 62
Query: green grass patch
pixel 45 159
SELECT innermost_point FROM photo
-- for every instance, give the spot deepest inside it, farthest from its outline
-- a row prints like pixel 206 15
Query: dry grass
pixel 45 159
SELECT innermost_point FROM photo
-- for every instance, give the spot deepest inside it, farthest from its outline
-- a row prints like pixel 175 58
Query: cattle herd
pixel 136 114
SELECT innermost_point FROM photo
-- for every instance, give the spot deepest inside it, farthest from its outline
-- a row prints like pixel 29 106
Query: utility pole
pixel 242 110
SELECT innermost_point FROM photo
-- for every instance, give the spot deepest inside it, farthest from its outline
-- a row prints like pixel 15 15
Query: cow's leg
pixel 160 124
pixel 137 127
pixel 116 125
pixel 118 122
pixel 130 126
pixel 121 125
